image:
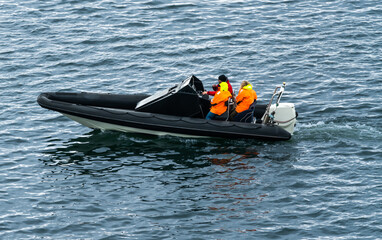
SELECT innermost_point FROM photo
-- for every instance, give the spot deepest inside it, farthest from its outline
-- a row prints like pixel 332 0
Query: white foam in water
pixel 338 130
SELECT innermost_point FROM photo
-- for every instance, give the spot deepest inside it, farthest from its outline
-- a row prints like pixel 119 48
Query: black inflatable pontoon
pixel 178 111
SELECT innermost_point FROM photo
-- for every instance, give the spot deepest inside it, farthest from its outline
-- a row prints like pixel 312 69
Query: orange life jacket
pixel 218 102
pixel 244 99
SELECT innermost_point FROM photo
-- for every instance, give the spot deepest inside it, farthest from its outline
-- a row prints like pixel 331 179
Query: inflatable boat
pixel 178 111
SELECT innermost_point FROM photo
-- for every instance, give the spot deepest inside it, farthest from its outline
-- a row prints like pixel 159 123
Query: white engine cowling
pixel 284 115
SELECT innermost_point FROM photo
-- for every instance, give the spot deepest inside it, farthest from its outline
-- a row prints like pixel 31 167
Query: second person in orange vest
pixel 218 106
pixel 244 99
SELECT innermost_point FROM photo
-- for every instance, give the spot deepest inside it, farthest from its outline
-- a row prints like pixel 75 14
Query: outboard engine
pixel 281 114
pixel 284 115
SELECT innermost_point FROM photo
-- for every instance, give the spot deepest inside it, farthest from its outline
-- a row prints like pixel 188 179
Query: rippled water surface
pixel 61 180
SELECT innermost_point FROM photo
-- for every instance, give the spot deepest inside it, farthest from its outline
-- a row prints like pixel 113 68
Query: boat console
pixel 183 100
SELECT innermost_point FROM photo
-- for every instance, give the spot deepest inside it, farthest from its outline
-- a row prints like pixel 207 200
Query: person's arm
pixel 239 98
pixel 211 93
pixel 216 100
pixel 255 94
pixel 230 89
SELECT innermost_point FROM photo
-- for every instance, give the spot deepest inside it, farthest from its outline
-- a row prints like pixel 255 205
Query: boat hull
pixel 114 127
pixel 129 120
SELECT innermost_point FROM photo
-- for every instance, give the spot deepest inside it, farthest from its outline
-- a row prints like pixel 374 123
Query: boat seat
pixel 259 112
pixel 247 115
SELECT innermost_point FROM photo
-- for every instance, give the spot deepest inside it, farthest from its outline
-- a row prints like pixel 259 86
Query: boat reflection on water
pixel 138 149
pixel 237 190
pixel 215 179
pixel 127 149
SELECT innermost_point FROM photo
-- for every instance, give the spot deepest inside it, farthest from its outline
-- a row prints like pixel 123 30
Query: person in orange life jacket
pixel 222 78
pixel 218 106
pixel 244 99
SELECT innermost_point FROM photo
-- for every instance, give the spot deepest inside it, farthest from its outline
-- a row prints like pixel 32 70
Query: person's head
pixel 245 84
pixel 222 78
pixel 223 86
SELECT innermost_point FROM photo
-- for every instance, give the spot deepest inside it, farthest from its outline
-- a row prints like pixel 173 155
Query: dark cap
pixel 223 78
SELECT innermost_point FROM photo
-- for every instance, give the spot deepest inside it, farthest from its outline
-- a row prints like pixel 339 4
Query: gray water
pixel 61 180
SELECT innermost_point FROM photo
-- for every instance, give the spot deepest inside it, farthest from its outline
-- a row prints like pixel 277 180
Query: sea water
pixel 61 180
